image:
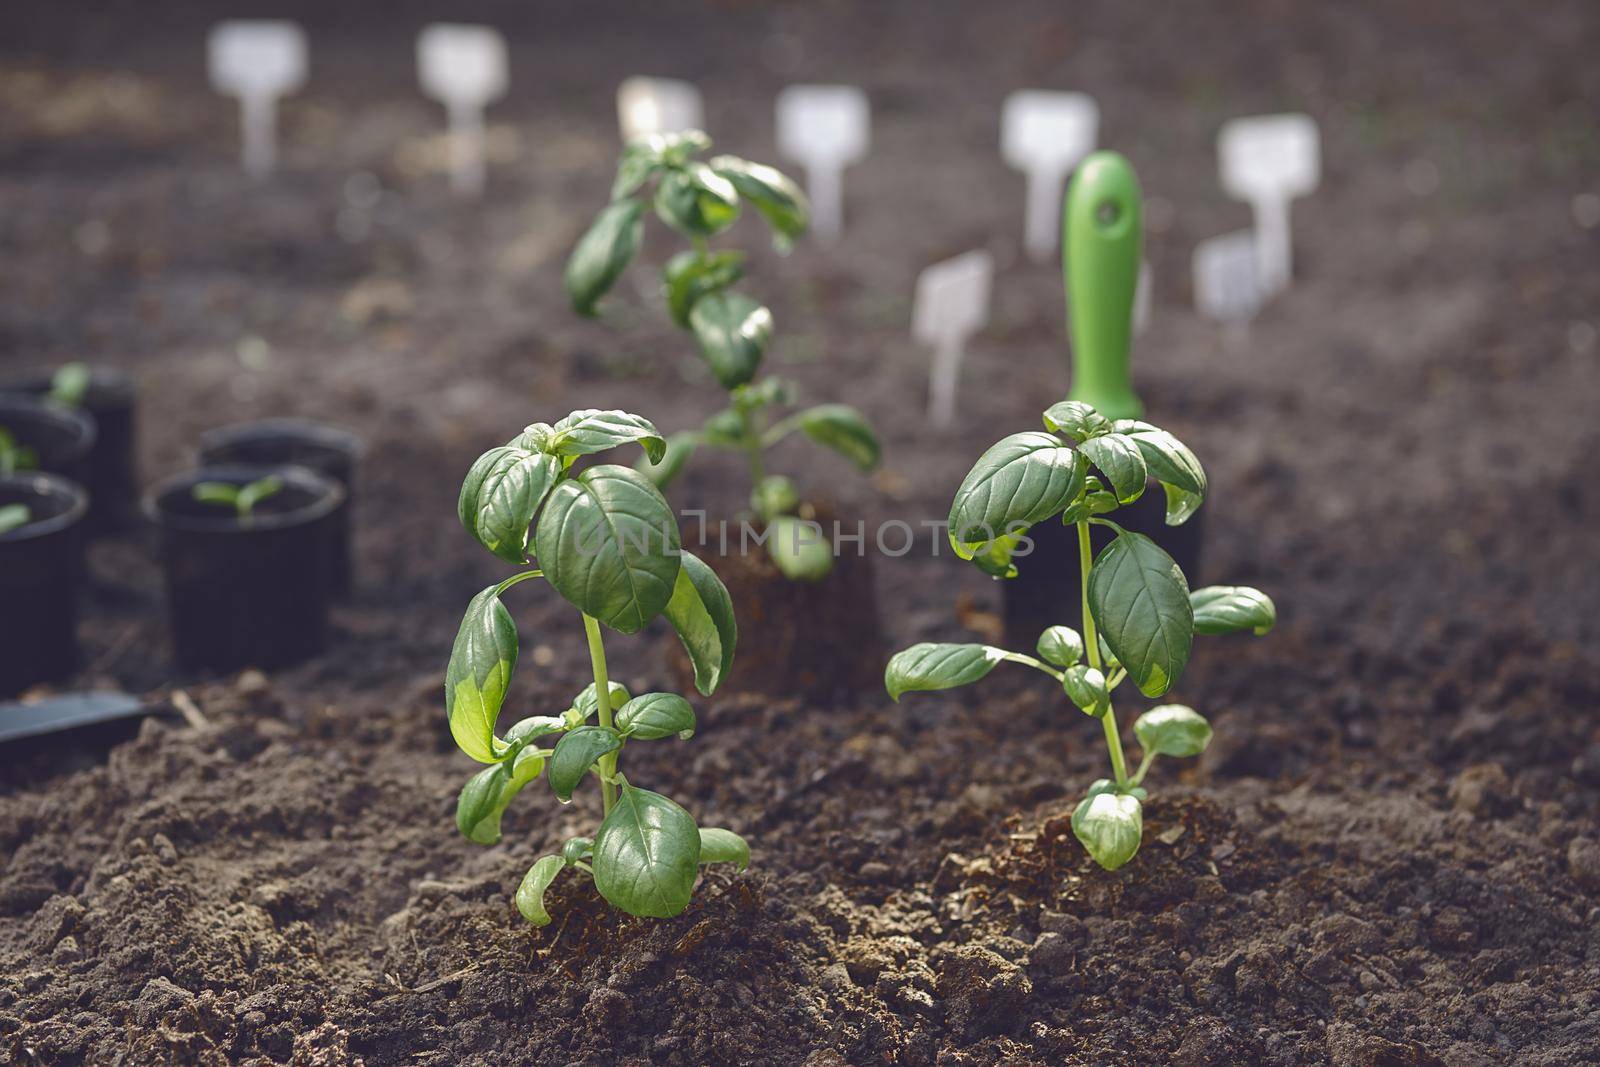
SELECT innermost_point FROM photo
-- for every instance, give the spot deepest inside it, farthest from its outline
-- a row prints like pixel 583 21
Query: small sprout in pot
pixel 14 517
pixel 69 386
pixel 241 498
pixel 15 456
pixel 604 539
pixel 699 200
pixel 1138 615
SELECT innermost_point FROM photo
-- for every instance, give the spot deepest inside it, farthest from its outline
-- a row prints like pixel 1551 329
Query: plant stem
pixel 1144 767
pixel 602 700
pixel 752 447
pixel 1091 640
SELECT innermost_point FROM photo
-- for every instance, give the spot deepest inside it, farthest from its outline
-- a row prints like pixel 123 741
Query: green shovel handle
pixel 1102 233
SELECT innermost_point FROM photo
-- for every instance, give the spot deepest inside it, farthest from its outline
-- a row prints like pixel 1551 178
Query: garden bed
pixel 1390 853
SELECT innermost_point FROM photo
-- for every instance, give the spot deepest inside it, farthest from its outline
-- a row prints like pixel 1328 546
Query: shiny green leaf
pixel 994 557
pixel 723 846
pixel 928 666
pixel 1226 609
pixel 1061 645
pixel 577 848
pixel 1173 730
pixel 501 495
pixel 534 727
pixel 680 449
pixel 1109 825
pixel 607 542
pixel 1172 464
pixel 585 705
pixel 1086 688
pixel 1076 419
pixel 732 331
pixel 575 753
pixel 1020 480
pixel 773 193
pixel 655 715
pixel 592 430
pixel 688 276
pixel 488 793
pixel 475 682
pixel 696 201
pixel 603 253
pixel 702 613
pixel 774 495
pixel 1121 461
pixel 1140 603
pixel 841 428
pixel 530 894
pixel 646 855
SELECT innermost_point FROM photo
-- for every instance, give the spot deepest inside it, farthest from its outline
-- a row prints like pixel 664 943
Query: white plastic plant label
pixel 826 128
pixel 1268 161
pixel 1227 282
pixel 1141 299
pixel 952 304
pixel 658 105
pixel 464 68
pixel 1045 134
pixel 257 61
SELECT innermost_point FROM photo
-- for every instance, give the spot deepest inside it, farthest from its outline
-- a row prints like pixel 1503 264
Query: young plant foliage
pixel 1138 614
pixel 605 540
pixel 732 330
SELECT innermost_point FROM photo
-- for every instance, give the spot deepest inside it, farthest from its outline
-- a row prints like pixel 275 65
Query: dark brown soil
pixel 1390 854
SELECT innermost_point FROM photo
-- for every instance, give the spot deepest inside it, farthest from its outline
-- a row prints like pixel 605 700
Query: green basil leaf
pixel 1120 460
pixel 1173 730
pixel 641 161
pixel 774 495
pixel 702 613
pixel 1061 645
pixel 1226 609
pixel 1109 826
pixel 592 430
pixel 607 542
pixel 1086 688
pixel 1172 464
pixel 70 384
pixel 799 547
pixel 1021 479
pixel 534 727
pixel 994 557
pixel 577 848
pixel 655 715
pixel 769 390
pixel 1140 602
pixel 723 846
pixel 530 894
pixel 1076 419
pixel 646 855
pixel 732 331
pixel 773 193
pixel 928 666
pixel 696 201
pixel 841 428
pixel 585 704
pixel 475 682
pixel 680 449
pixel 688 276
pixel 603 253
pixel 501 495
pixel 488 793
pixel 575 753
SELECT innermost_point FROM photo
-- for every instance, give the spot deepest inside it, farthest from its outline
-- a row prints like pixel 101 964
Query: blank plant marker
pixel 258 61
pixel 658 105
pixel 464 68
pixel 952 304
pixel 1045 134
pixel 1227 282
pixel 825 128
pixel 1268 161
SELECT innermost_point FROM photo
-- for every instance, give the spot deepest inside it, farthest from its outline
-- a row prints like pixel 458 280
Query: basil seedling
pixel 15 456
pixel 13 516
pixel 69 385
pixel 1139 615
pixel 241 498
pixel 700 200
pixel 605 540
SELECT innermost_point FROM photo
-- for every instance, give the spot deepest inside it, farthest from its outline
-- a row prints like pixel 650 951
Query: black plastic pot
pixel 1047 590
pixel 41 572
pixel 61 438
pixel 112 477
pixel 246 593
pixel 328 450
